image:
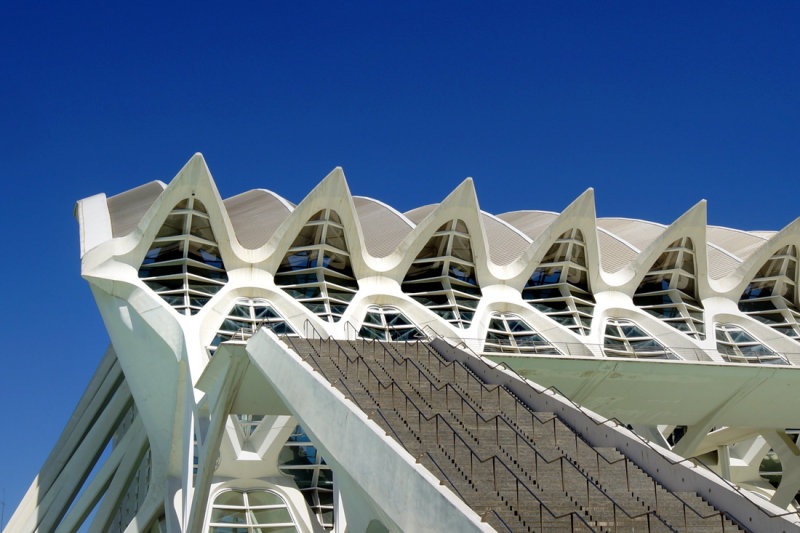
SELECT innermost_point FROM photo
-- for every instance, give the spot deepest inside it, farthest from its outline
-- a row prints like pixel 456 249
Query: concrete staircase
pixel 520 470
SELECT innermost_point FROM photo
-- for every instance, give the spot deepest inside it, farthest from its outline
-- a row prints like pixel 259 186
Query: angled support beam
pixel 687 446
pixel 726 436
pixel 102 384
pixel 221 400
pixel 116 490
pixel 94 491
pixel 694 436
pixel 80 464
pixel 789 455
pixel 356 447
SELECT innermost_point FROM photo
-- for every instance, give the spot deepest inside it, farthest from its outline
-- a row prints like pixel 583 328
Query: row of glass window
pixel 183 264
pixel 184 267
pixel 507 333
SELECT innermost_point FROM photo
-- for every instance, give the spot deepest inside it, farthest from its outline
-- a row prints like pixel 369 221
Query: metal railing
pixel 599 421
pixel 527 439
pixel 408 402
pixel 311 332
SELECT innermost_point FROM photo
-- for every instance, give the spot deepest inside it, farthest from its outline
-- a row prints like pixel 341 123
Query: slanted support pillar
pixel 789 455
pixel 693 437
pixel 724 459
pixel 220 403
pixel 340 524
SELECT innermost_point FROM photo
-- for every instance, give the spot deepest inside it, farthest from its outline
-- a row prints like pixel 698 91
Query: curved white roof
pixel 382 226
pixel 127 208
pixel 531 223
pixel 417 214
pixel 255 215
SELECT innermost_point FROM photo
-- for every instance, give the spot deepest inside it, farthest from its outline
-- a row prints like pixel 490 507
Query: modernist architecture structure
pixel 339 365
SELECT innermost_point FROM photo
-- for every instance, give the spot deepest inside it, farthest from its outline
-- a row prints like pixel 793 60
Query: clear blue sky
pixel 656 106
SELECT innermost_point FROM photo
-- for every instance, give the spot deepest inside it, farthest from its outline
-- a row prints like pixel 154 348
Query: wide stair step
pixel 520 470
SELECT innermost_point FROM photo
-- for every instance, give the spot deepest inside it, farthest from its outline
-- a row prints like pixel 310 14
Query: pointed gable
pixel 183 264
pixel 624 338
pixel 442 277
pixel 510 333
pixel 771 297
pixel 559 287
pixel 316 270
pixel 669 289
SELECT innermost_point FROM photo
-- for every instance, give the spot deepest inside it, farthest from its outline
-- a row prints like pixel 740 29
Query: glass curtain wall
pixel 442 277
pixel 771 297
pixel 183 265
pixel 669 290
pixel 559 287
pixel 316 270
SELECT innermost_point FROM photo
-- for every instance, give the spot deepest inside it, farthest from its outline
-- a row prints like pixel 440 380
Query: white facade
pixel 686 326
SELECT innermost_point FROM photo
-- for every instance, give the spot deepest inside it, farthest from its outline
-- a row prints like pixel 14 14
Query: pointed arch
pixel 388 323
pixel 316 269
pixel 510 333
pixel 246 316
pixel 736 345
pixel 771 296
pixel 669 289
pixel 442 277
pixel 625 338
pixel 560 286
pixel 183 264
pixel 250 510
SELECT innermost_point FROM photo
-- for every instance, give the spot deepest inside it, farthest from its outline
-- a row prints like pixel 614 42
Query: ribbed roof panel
pixel 255 215
pixel 126 209
pixel 739 243
pixel 531 223
pixel 720 264
pixel 505 244
pixel 418 214
pixel 639 233
pixel 614 254
pixel 383 228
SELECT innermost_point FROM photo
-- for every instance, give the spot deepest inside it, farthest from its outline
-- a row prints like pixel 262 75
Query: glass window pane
pixel 270 516
pixel 230 497
pixel 228 516
pixel 257 498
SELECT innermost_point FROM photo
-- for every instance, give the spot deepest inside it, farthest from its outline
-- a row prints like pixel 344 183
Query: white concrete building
pixel 688 334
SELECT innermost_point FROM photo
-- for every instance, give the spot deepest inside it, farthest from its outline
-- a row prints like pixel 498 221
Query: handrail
pixel 455 389
pixel 352 396
pixel 492 511
pixel 308 327
pixel 692 461
pixel 551 390
pixel 528 442
pixel 446 477
pixel 437 416
pixel 316 363
pixel 495 459
pixel 458 492
pixel 347 327
pixel 527 439
pixel 466 399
